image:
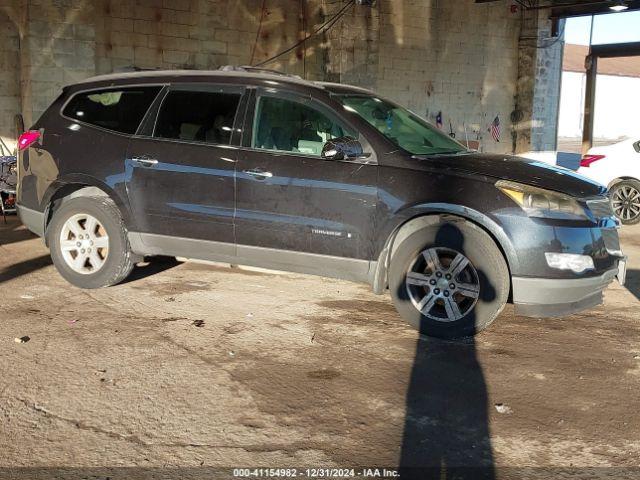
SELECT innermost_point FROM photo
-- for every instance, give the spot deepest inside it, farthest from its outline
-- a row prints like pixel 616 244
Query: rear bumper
pixel 32 219
pixel 546 297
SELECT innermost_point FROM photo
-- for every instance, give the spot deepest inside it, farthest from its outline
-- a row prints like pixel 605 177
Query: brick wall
pixel 61 43
pixel 199 34
pixel 9 78
pixel 460 58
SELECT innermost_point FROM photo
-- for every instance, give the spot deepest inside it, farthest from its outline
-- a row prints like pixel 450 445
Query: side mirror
pixel 341 148
pixel 636 146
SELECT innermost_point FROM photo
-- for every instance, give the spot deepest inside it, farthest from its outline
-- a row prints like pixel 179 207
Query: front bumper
pixel 546 297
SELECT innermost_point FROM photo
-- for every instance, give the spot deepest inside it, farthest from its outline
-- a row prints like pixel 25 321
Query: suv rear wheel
pixel 88 242
pixel 449 280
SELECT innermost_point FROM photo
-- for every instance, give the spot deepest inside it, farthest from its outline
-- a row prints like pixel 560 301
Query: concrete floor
pixel 189 366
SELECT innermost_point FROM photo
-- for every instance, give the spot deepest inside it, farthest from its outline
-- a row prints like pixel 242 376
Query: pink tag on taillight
pixel 27 139
pixel 589 159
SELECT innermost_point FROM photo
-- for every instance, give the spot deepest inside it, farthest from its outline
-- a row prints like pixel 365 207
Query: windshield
pixel 403 128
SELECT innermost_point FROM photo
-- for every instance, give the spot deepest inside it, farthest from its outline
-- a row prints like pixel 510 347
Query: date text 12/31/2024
pixel 335 473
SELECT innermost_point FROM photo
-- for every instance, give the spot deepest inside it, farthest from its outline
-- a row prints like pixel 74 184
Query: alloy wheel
pixel 626 202
pixel 84 244
pixel 443 284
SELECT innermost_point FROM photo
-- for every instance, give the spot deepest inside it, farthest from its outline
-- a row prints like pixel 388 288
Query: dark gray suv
pixel 262 169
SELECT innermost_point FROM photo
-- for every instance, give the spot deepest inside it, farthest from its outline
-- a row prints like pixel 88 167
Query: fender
pixel 620 179
pixel 76 181
pixel 422 215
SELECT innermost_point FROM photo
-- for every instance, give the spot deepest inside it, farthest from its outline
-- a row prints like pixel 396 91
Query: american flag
pixel 439 120
pixel 495 129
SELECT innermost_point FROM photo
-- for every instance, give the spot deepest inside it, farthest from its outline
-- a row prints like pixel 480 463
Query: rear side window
pixel 198 116
pixel 118 110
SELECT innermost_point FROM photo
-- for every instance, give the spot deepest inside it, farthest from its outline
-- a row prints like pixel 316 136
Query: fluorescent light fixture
pixel 619 6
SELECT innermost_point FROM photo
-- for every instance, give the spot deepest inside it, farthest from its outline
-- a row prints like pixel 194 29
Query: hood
pixel 521 170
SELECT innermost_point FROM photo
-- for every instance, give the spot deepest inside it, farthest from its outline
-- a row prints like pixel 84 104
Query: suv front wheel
pixel 449 279
pixel 88 242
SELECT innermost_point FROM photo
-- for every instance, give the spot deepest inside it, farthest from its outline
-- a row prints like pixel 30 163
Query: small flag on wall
pixel 439 120
pixel 495 129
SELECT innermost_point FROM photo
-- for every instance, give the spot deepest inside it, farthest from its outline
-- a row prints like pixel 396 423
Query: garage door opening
pixel 600 97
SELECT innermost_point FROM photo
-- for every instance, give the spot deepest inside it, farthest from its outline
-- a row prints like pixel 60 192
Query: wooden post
pixel 589 102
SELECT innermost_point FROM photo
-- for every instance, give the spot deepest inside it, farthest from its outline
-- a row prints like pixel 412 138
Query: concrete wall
pixel 9 77
pixel 457 58
pixel 460 58
pixel 195 34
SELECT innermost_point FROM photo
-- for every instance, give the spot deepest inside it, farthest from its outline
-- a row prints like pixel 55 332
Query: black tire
pixel 451 234
pixel 618 193
pixel 118 263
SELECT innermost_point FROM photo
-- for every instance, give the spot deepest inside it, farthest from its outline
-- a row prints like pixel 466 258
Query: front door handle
pixel 258 173
pixel 144 161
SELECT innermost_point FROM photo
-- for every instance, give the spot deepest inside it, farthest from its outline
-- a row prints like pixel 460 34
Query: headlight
pixel 540 203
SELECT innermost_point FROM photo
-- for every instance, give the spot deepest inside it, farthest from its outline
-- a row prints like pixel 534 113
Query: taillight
pixel 587 160
pixel 27 139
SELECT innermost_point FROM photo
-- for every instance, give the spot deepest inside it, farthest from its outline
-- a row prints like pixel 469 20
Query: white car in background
pixel 618 167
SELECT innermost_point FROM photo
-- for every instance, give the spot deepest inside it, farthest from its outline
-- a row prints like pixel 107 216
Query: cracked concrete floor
pixel 190 364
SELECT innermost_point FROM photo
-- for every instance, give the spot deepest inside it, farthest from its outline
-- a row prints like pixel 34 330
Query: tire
pixel 625 201
pixel 114 264
pixel 485 277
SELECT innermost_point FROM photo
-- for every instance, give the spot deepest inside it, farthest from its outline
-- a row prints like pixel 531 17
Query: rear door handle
pixel 259 174
pixel 144 161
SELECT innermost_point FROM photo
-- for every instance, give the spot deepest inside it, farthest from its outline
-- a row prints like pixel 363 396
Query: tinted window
pixel 198 116
pixel 117 110
pixel 289 126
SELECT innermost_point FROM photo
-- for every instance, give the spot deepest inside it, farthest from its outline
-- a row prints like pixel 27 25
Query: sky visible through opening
pixel 611 28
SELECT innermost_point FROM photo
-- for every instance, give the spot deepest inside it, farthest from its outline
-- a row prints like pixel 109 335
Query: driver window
pixel 289 126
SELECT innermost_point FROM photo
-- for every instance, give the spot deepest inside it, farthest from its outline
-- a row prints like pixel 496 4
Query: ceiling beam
pixel 579 9
pixel 568 8
pixel 616 50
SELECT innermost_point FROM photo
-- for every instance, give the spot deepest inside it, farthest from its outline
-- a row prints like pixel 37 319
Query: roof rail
pixel 133 68
pixel 249 68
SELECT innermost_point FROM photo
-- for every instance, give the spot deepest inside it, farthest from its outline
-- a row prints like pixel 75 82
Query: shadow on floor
pixel 446 434
pixel 153 266
pixel 24 268
pixel 446 431
pixel 13 231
